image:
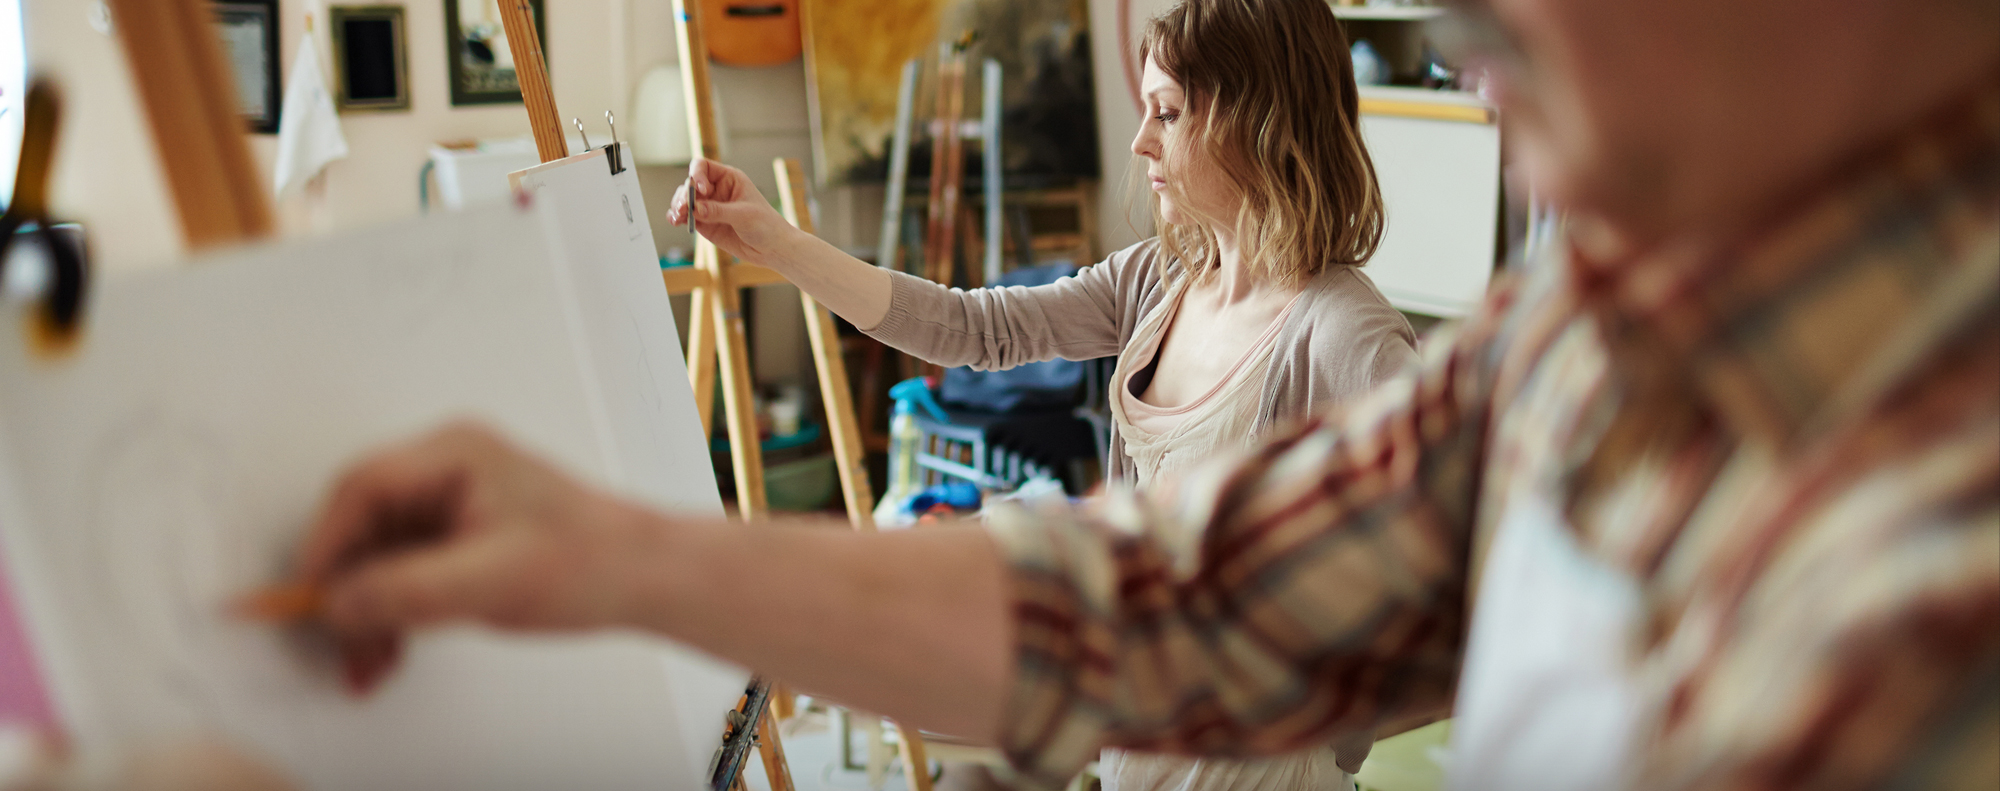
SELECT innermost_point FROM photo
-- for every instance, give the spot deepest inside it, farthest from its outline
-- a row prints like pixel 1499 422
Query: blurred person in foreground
pixel 1708 497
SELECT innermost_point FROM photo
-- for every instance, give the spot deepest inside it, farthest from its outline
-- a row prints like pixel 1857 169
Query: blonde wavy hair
pixel 1271 99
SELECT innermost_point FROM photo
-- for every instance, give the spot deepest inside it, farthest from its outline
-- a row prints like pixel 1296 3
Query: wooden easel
pixel 185 86
pixel 531 71
pixel 947 165
pixel 716 329
pixel 842 423
pixel 716 334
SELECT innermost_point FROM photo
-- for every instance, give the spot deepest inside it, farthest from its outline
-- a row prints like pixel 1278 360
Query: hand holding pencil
pixel 456 526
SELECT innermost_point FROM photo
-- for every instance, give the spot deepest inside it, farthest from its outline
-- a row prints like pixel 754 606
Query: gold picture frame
pixel 478 58
pixel 370 58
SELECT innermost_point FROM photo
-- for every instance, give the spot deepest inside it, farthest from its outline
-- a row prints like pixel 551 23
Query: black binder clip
pixel 60 314
pixel 615 151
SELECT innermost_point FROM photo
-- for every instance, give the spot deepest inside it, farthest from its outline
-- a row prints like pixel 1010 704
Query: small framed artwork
pixel 368 59
pixel 249 31
pixel 480 62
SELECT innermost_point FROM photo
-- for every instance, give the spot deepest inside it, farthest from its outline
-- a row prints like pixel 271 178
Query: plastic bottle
pixel 903 440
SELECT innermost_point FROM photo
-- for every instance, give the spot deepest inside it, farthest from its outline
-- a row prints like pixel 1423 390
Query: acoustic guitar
pixel 751 32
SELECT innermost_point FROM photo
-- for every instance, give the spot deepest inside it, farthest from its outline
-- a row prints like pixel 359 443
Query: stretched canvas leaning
pixel 174 458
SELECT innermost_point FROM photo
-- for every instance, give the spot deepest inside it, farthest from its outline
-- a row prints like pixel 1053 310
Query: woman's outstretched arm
pixel 987 328
pixel 732 213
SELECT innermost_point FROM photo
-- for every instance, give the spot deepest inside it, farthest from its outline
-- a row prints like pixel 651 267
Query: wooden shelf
pixel 685 279
pixel 1425 104
pixel 1388 13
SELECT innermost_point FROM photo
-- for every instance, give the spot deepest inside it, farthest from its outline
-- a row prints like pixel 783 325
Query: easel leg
pixel 972 248
pixel 843 425
pixel 701 356
pixel 916 767
pixel 184 83
pixel 878 758
pixel 847 446
pixel 746 455
pixel 824 338
pixel 784 704
pixel 772 750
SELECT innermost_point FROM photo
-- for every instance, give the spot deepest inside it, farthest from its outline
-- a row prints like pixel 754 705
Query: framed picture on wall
pixel 368 58
pixel 480 62
pixel 249 31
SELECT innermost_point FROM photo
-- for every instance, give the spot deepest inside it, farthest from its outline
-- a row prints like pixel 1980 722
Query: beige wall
pixel 107 173
pixel 1120 221
pixel 766 109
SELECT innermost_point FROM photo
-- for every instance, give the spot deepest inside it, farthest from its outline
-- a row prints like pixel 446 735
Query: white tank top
pixel 1166 441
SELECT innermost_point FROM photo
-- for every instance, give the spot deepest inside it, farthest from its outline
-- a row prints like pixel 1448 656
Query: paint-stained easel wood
pixel 947 165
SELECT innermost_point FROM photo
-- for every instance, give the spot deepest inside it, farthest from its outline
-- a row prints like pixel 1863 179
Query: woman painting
pixel 1248 309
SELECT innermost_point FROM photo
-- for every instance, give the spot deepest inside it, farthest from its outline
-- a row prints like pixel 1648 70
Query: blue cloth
pixel 960 495
pixel 1045 385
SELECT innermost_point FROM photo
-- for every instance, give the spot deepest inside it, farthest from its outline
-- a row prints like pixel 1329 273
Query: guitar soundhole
pixel 756 10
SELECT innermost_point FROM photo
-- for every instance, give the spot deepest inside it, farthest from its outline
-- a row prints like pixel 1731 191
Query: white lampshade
pixel 659 123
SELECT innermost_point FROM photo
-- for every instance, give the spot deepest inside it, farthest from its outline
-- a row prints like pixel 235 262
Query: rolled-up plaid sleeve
pixel 1314 586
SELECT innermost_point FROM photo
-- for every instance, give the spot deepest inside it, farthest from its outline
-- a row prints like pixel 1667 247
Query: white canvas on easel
pixel 173 459
pixel 608 240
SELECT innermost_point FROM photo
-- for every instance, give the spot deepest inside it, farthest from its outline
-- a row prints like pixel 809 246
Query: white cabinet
pixel 1441 188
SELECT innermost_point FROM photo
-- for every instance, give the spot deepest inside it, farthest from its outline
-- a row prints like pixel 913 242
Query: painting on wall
pixel 1048 107
pixel 480 61
pixel 368 58
pixel 249 31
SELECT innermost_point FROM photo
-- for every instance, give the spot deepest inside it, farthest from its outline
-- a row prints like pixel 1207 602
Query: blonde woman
pixel 1249 309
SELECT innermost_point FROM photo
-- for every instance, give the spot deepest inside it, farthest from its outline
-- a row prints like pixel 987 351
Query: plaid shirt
pixel 1791 446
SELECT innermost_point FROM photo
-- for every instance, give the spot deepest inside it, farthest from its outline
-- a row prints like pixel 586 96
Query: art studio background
pixel 1067 114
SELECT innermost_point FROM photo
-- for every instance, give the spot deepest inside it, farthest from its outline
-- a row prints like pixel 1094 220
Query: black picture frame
pixel 470 55
pixel 249 33
pixel 370 61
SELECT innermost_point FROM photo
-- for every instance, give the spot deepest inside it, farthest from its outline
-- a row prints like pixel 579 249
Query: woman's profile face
pixel 1188 180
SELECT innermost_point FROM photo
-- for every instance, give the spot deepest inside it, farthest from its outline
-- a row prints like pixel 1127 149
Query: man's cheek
pixel 1546 162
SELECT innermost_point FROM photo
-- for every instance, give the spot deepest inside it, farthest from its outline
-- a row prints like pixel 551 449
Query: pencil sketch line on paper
pixel 164 544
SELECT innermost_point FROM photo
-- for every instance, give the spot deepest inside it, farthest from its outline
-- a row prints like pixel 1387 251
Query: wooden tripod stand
pixel 716 335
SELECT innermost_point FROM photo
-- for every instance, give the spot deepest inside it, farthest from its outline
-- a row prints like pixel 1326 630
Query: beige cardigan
pixel 1340 340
